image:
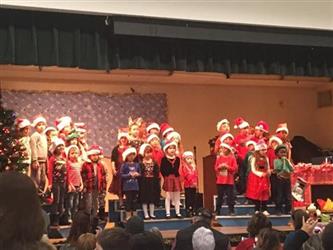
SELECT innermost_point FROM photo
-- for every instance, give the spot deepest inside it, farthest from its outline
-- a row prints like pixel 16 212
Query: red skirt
pixel 172 184
pixel 258 188
pixel 116 187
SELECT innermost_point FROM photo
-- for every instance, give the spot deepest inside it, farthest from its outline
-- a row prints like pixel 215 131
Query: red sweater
pixel 190 176
pixel 240 141
pixel 74 173
pixel 271 157
pixel 225 176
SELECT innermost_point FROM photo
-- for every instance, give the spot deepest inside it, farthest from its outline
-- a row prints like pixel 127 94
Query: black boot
pixel 54 220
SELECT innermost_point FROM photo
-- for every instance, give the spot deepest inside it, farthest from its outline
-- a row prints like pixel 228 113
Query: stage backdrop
pixel 103 114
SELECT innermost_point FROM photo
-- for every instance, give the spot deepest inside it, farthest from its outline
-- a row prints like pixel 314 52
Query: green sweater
pixel 283 165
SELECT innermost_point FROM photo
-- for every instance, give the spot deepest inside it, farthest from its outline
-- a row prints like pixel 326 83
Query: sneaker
pixel 256 212
pixel 179 216
pixel 168 216
pixel 152 216
pixel 266 213
pixel 147 217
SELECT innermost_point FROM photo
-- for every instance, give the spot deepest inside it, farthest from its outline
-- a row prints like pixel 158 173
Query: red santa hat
pixel 263 126
pixel 122 134
pixel 282 127
pixel 49 129
pixel 56 143
pixel 187 154
pixel 276 139
pixel 128 151
pixel 22 123
pixel 224 145
pixel 37 120
pixel 151 137
pixel 80 127
pixel 241 123
pixel 69 148
pixel 165 128
pixel 174 136
pixel 63 122
pixel 168 144
pixel 220 123
pixel 94 150
pixel 248 143
pixel 225 136
pixel 261 145
pixel 153 125
pixel 143 147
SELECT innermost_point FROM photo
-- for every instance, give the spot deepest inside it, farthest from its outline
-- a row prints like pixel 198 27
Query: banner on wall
pixel 102 113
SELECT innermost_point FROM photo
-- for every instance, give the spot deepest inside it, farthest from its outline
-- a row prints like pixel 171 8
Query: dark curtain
pixel 84 41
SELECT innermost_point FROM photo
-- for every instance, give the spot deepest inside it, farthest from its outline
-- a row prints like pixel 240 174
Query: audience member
pixel 21 219
pixel 134 225
pixel 268 239
pixel 204 218
pixel 257 222
pixel 113 239
pixel 203 239
pixel 146 241
pixel 86 241
pixel 327 237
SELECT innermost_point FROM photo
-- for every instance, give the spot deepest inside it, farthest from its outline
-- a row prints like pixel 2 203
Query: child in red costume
pixel 154 142
pixel 227 138
pixel 222 128
pixel 260 132
pixel 64 126
pixel 190 176
pixel 153 128
pixel 225 168
pixel 258 183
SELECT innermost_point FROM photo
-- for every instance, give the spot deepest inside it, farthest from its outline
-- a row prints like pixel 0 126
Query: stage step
pixel 243 220
pixel 168 224
pixel 245 209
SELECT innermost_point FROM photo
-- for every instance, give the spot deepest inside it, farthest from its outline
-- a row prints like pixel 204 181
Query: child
pixel 116 162
pixel 94 182
pixel 39 153
pixel 134 133
pixel 154 142
pixel 222 128
pixel 80 128
pixel 165 130
pixel 225 168
pixel 258 184
pixel 282 132
pixel 260 131
pixel 283 169
pixel 51 133
pixel 23 132
pixel 175 136
pixel 153 128
pixel 57 175
pixel 72 138
pixel 75 184
pixel 64 126
pixel 190 175
pixel 170 171
pixel 150 181
pixel 130 173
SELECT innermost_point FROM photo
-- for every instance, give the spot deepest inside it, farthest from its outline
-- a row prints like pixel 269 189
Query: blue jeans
pixel 73 199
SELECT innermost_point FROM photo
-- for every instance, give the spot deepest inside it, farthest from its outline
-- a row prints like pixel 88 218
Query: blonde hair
pixel 86 241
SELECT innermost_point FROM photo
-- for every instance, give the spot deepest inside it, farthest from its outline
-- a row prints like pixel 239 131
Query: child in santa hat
pixel 57 177
pixel 130 172
pixel 153 128
pixel 175 136
pixel 150 181
pixel 94 183
pixel 225 169
pixel 170 165
pixel 227 138
pixel 190 175
pixel 154 141
pixel 258 184
pixel 80 128
pixel 39 153
pixel 51 133
pixel 75 184
pixel 23 144
pixel 222 128
pixel 134 132
pixel 116 162
pixel 72 138
pixel 64 126
pixel 165 130
pixel 260 132
pixel 282 132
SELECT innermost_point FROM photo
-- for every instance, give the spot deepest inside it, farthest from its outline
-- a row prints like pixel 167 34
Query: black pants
pixel 58 191
pixel 131 200
pixel 222 190
pixel 283 194
pixel 260 205
pixel 190 199
pixel 273 180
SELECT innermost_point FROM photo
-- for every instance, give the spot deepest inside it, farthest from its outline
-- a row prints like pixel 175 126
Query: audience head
pixel 203 215
pixel 297 217
pixel 81 225
pixel 258 222
pixel 134 225
pixel 327 237
pixel 203 239
pixel 268 239
pixel 113 239
pixel 86 241
pixel 146 241
pixel 156 231
pixel 19 227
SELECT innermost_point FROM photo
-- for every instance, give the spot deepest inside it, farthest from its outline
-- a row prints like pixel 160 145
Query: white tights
pixel 175 198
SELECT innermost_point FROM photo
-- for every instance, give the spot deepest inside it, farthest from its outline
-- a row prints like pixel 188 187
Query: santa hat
pixel 127 152
pixel 248 143
pixel 282 127
pixel 165 128
pixel 225 136
pixel 49 129
pixel 37 120
pixel 168 144
pixel 143 148
pixel 63 122
pixel 56 143
pixel 174 136
pixel 22 123
pixel 151 137
pixel 80 127
pixel 153 125
pixel 263 126
pixel 261 145
pixel 122 134
pixel 94 150
pixel 224 145
pixel 276 139
pixel 241 123
pixel 187 154
pixel 220 123
pixel 69 149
